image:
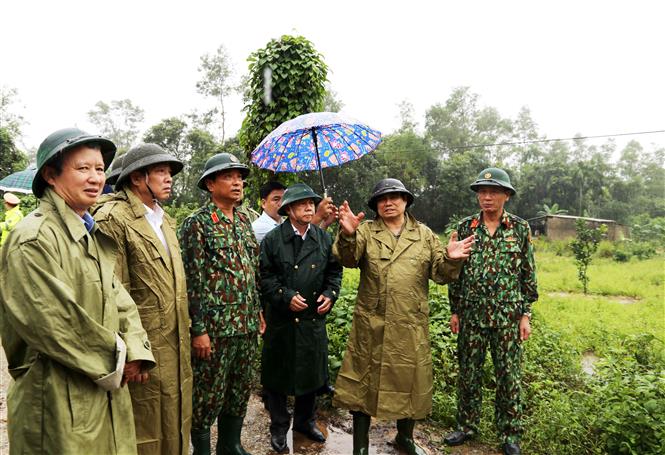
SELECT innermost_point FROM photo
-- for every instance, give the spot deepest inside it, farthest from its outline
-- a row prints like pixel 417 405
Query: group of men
pixel 99 293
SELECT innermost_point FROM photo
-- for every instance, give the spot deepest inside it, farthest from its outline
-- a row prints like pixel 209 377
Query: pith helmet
pixel 11 199
pixel 297 192
pixel 114 170
pixel 61 141
pixel 493 176
pixel 221 162
pixel 144 155
pixel 386 186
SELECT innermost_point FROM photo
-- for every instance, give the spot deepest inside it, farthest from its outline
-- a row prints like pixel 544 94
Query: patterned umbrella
pixel 315 141
pixel 19 182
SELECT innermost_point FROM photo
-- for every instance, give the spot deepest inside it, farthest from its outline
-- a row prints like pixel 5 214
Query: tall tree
pixel 119 121
pixel 11 158
pixel 286 79
pixel 10 121
pixel 216 80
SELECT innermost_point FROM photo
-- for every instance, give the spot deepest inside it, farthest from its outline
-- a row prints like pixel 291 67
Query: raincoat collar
pixel 409 235
pixel 74 224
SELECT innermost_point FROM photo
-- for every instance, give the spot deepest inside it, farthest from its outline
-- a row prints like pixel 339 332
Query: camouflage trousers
pixel 222 383
pixel 506 350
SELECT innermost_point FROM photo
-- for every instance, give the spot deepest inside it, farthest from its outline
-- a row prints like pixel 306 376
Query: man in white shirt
pixel 271 198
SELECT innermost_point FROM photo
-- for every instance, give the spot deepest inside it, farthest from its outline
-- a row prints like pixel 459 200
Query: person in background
pixel 387 368
pixel 491 306
pixel 13 215
pixel 150 267
pixel 300 281
pixel 271 194
pixel 221 258
pixel 71 332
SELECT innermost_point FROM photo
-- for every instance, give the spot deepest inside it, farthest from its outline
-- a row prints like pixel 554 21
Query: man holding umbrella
pixel 221 258
pixel 300 281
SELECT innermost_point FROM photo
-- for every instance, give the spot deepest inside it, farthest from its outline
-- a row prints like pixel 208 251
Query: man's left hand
pixel 325 304
pixel 326 213
pixel 525 328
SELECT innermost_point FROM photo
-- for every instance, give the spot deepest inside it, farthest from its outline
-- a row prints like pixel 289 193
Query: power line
pixel 540 141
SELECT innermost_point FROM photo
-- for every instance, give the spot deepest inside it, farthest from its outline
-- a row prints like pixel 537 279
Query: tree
pixel 216 81
pixel 286 79
pixel 551 210
pixel 10 121
pixel 11 159
pixel 332 103
pixel 119 121
pixel 584 246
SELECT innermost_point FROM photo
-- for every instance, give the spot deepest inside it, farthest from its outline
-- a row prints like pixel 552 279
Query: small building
pixel 562 227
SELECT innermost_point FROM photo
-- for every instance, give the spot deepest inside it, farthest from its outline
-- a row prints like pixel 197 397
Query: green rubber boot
pixel 404 438
pixel 201 441
pixel 228 435
pixel 361 433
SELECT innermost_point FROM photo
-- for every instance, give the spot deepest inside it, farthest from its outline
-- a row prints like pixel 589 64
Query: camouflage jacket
pixel 221 258
pixel 498 281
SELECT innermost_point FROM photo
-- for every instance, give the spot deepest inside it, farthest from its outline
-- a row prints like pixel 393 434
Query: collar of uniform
pixel 135 203
pixel 288 232
pixel 156 215
pixel 73 222
pixel 478 219
pixel 217 216
pixel 297 232
pixel 410 223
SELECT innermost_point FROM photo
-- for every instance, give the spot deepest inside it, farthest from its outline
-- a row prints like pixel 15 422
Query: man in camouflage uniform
pixel 491 305
pixel 221 255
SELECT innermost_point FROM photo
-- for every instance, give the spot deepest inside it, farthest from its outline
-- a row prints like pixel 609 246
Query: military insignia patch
pixel 214 217
pixel 488 175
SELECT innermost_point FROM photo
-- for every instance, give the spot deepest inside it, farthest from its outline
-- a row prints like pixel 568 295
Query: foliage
pixel 11 158
pixel 179 213
pixel 584 246
pixel 553 210
pixel 286 79
pixel 648 229
pixel 216 80
pixel 11 122
pixel 119 121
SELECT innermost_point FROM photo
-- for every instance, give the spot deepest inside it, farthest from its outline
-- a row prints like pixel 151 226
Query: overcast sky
pixel 589 67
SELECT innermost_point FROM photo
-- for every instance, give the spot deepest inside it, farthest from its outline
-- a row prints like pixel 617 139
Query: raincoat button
pixel 297 320
pixel 313 266
pixel 295 266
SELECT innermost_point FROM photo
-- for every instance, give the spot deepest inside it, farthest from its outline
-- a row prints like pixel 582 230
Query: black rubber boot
pixel 201 441
pixel 228 435
pixel 404 437
pixel 361 433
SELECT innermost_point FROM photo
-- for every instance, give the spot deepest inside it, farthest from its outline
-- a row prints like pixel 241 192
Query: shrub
pixel 621 256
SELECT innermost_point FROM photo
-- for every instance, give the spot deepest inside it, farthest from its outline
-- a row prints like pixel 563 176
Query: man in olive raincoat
pixel 387 368
pixel 300 281
pixel 71 332
pixel 13 215
pixel 150 267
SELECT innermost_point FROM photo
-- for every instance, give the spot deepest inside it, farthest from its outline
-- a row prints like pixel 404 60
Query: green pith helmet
pixel 221 162
pixel 297 192
pixel 386 186
pixel 493 176
pixel 61 141
pixel 114 170
pixel 142 156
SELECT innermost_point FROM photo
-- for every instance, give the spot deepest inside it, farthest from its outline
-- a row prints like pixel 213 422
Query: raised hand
pixel 348 221
pixel 459 249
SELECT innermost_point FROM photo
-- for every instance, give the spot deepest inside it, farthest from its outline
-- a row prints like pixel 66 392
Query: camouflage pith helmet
pixel 493 176
pixel 142 156
pixel 221 162
pixel 114 170
pixel 61 141
pixel 386 186
pixel 297 192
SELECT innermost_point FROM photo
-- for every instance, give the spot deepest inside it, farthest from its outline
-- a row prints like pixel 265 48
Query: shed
pixel 562 227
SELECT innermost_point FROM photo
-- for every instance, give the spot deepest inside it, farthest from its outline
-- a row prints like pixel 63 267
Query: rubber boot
pixel 201 441
pixel 228 435
pixel 404 438
pixel 361 423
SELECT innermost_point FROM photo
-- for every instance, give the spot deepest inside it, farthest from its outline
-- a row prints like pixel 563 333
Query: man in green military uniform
pixel 150 267
pixel 221 258
pixel 300 281
pixel 71 333
pixel 491 305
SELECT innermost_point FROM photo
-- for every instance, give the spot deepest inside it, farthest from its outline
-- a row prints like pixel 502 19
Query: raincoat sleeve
pixel 349 249
pixel 528 280
pixel 273 289
pixel 131 329
pixel 43 311
pixel 444 270
pixel 114 229
pixel 192 242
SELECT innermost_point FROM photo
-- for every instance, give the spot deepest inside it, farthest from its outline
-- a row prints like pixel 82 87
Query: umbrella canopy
pixel 19 182
pixel 315 141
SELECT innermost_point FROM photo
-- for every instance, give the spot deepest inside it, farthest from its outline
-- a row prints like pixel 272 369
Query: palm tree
pixel 553 210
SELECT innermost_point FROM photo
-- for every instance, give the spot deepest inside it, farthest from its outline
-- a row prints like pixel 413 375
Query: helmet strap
pixel 147 184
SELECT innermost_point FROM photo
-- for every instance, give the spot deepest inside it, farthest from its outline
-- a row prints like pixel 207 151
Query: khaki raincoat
pixel 60 310
pixel 387 368
pixel 155 279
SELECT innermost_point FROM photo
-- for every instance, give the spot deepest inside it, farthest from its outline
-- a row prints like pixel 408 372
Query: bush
pixel 621 256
